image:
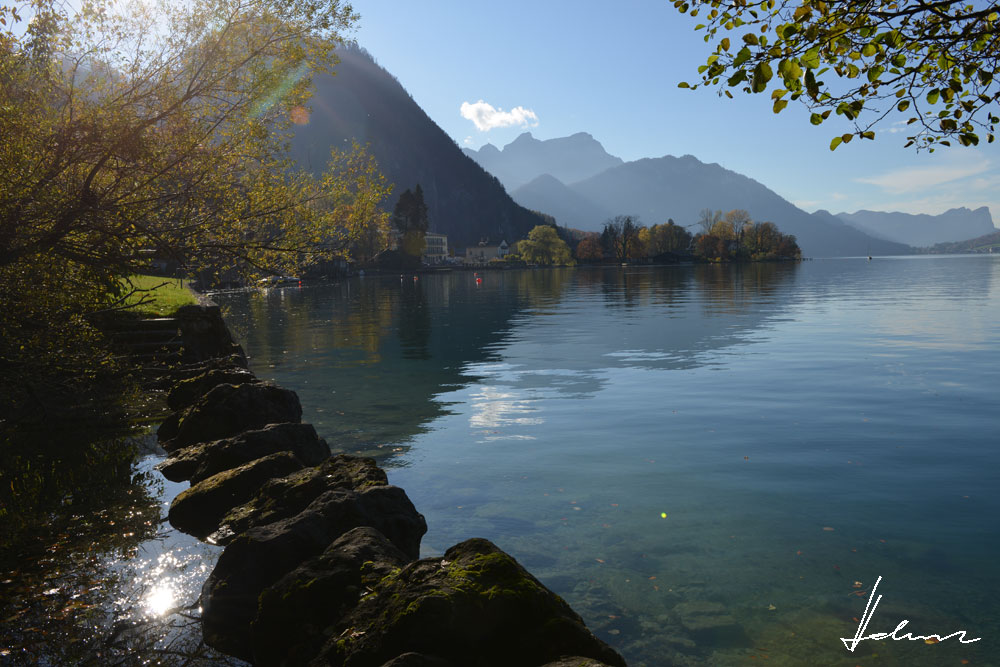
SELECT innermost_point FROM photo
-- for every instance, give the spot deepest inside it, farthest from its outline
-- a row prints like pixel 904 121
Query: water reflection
pixel 374 359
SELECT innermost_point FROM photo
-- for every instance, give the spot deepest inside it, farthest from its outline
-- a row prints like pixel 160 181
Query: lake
pixel 712 464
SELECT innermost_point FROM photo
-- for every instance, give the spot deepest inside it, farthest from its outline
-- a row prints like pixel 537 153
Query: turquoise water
pixel 713 465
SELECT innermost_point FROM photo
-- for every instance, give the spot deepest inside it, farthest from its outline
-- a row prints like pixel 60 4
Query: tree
pixel 932 61
pixel 543 246
pixel 410 221
pixel 620 235
pixel 127 131
pixel 707 219
pixel 589 249
pixel 668 237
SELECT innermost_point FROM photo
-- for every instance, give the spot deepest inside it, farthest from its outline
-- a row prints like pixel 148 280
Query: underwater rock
pixel 708 622
pixel 199 509
pixel 202 460
pixel 227 410
pixel 475 601
pixel 294 614
pixel 257 558
pixel 285 497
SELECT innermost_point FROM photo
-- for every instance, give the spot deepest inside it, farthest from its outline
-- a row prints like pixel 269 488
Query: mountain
pixel 989 243
pixel 365 102
pixel 957 224
pixel 568 159
pixel 657 189
pixel 548 194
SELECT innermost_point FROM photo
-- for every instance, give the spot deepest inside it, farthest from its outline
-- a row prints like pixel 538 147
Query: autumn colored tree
pixel 543 246
pixel 589 249
pixel 933 63
pixel 127 131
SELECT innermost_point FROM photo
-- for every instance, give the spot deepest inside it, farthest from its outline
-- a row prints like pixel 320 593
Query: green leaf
pixel 741 57
pixel 868 50
pixel 683 84
pixel 811 58
pixel 761 75
pixel 847 138
pixel 903 105
pixel 834 143
pixel 815 119
pixel 779 105
pixel 932 96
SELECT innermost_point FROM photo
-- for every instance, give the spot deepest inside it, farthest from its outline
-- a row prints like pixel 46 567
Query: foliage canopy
pixel 933 61
pixel 133 129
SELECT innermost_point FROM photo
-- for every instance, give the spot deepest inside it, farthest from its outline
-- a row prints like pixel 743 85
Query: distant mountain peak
pixel 569 159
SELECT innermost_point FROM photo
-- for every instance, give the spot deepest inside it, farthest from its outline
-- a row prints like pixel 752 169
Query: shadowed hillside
pixel 366 103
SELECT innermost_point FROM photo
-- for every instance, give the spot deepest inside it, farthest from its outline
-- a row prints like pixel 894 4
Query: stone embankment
pixel 321 563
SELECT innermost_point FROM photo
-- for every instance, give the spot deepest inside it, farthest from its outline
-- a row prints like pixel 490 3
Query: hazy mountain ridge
pixel 921 230
pixel 364 102
pixel 548 194
pixel 568 159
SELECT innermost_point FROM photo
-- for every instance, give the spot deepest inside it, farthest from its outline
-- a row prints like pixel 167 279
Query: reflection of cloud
pixel 486 116
pixel 496 409
pixel 951 167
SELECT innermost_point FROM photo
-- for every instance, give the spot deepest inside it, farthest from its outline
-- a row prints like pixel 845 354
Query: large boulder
pixel 186 391
pixel 199 509
pixel 295 614
pixel 475 607
pixel 229 409
pixel 260 556
pixel 287 496
pixel 202 460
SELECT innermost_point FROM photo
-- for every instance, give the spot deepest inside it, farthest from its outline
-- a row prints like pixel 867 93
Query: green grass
pixel 159 297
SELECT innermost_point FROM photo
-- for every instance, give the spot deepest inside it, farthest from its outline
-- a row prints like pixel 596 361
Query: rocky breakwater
pixel 321 562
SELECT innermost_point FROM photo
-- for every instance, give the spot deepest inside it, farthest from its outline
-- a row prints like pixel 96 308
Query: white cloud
pixel 486 116
pixel 467 141
pixel 952 167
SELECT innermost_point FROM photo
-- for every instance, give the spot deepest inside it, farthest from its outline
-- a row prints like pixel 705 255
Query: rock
pixel 285 497
pixel 199 509
pixel 475 601
pixel 708 622
pixel 230 409
pixel 202 460
pixel 205 334
pixel 185 392
pixel 294 613
pixel 260 556
pixel 576 661
pixel 417 660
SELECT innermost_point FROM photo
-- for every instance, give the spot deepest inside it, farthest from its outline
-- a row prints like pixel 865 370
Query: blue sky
pixel 612 70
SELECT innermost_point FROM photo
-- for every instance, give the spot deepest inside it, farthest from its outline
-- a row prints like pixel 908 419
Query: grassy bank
pixel 156 296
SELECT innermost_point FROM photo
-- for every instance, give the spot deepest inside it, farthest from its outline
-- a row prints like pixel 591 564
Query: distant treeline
pixel 733 236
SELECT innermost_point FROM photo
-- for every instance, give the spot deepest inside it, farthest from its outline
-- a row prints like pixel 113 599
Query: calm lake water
pixel 713 464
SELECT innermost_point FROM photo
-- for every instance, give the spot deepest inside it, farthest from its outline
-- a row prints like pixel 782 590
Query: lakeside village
pixel 411 247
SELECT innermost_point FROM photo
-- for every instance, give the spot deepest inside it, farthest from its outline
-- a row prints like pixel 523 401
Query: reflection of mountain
pixel 370 357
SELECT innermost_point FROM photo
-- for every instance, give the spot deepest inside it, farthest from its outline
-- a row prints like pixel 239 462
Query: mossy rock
pixel 475 607
pixel 202 460
pixel 199 509
pixel 227 410
pixel 296 613
pixel 282 498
